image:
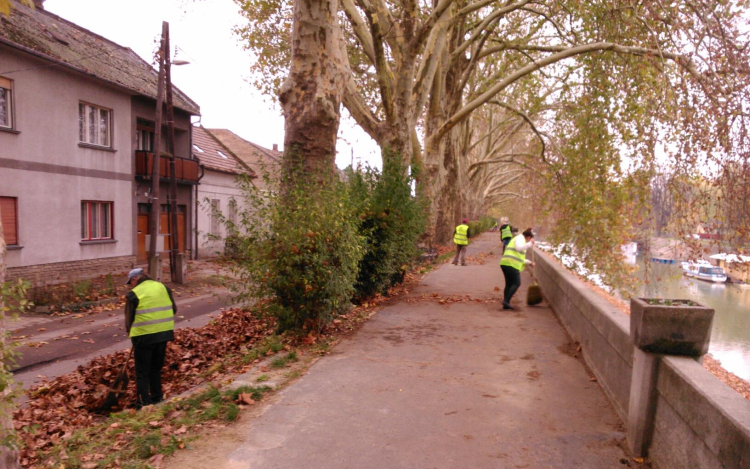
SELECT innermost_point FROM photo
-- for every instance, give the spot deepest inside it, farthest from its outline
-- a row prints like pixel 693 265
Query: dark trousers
pixel 512 282
pixel 149 360
pixel 460 252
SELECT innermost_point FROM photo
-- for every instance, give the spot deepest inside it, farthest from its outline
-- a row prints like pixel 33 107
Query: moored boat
pixel 703 270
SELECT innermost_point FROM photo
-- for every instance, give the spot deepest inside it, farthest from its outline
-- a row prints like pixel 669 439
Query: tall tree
pixel 630 79
pixel 311 95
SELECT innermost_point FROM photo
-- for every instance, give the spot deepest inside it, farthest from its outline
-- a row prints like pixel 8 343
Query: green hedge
pixel 391 221
pixel 478 227
pixel 307 249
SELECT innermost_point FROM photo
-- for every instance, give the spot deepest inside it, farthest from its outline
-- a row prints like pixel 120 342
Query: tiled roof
pixel 46 35
pixel 259 159
pixel 213 155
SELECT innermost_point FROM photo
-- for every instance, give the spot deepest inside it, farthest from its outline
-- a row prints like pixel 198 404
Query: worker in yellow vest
pixel 505 232
pixel 461 237
pixel 513 262
pixel 149 320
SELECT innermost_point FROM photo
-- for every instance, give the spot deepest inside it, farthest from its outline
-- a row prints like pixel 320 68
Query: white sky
pixel 217 75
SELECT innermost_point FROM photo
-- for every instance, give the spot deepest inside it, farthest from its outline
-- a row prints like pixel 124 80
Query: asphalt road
pixel 72 341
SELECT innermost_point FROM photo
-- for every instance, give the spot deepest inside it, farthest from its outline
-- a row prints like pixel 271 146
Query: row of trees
pixel 572 101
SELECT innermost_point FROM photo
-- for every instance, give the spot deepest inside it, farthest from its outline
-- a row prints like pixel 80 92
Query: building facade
pixel 219 197
pixel 76 132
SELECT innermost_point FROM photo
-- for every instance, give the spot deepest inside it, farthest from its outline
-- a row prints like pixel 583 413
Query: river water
pixel 730 337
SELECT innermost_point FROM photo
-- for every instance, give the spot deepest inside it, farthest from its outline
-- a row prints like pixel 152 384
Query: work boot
pixel 507 306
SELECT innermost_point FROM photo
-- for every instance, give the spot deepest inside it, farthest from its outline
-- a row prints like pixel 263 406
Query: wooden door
pixel 143 225
pixel 164 229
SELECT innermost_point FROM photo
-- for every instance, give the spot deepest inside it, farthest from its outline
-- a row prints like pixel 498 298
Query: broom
pixel 118 388
pixel 534 295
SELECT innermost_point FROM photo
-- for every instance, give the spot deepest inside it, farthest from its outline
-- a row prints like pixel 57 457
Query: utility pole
pixel 153 256
pixel 173 225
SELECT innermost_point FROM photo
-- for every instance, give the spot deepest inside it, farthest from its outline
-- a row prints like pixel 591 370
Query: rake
pixel 118 388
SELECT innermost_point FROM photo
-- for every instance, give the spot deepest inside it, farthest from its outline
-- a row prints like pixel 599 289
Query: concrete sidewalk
pixel 427 385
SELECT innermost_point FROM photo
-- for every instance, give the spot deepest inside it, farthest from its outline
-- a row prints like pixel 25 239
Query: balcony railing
pixel 186 171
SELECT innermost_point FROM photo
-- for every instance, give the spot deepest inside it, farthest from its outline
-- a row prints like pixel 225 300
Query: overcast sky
pixel 217 75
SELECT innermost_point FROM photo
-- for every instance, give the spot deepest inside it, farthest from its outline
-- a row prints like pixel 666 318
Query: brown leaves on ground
pixel 730 379
pixel 445 248
pixel 70 402
pixel 450 299
pixel 59 407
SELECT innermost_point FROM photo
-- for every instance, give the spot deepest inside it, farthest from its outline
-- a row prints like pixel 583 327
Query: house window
pixel 9 217
pixel 144 137
pixel 215 222
pixel 96 220
pixel 94 125
pixel 6 103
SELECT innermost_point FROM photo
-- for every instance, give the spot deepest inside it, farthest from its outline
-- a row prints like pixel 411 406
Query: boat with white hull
pixel 703 270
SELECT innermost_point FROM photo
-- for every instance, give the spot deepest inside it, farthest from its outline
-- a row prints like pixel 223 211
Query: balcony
pixel 186 171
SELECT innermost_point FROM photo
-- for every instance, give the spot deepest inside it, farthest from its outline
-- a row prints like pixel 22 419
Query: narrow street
pixel 70 341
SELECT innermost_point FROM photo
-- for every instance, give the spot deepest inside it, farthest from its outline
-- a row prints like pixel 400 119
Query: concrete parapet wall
pixel 700 422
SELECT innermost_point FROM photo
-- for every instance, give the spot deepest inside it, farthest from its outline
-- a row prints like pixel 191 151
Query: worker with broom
pixel 149 319
pixel 513 262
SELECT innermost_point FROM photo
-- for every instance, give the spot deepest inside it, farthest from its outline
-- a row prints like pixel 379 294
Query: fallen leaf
pixel 245 398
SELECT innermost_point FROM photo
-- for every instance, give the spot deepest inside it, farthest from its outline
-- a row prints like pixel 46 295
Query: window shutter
pixel 9 219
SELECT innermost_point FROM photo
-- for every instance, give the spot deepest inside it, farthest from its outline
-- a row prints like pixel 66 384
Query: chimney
pixel 39 4
pixel 275 147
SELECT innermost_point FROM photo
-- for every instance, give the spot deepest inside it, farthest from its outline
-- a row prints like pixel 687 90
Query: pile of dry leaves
pixel 57 408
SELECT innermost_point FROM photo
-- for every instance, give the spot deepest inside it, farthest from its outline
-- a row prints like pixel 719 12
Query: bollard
pixel 660 327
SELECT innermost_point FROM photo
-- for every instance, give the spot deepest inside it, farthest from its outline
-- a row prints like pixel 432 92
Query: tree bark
pixel 444 181
pixel 311 95
pixel 8 456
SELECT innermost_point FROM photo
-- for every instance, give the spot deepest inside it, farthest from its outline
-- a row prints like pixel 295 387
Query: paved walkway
pixel 430 385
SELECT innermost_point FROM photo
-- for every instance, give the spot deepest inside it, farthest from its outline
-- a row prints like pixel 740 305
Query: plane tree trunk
pixel 312 93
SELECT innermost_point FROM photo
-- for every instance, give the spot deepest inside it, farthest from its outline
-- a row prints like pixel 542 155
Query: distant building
pixel 76 140
pixel 259 159
pixel 218 192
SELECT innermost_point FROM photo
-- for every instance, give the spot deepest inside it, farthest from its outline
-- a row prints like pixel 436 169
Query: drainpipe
pixel 203 172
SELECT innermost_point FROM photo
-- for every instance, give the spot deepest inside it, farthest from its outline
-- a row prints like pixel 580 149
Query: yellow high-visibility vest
pixel 505 232
pixel 513 258
pixel 155 312
pixel 461 236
